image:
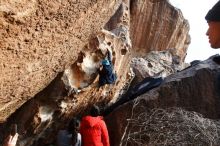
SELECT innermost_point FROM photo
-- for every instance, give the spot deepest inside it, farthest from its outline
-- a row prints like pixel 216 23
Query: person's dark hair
pixel 95 111
pixel 214 13
pixel 73 129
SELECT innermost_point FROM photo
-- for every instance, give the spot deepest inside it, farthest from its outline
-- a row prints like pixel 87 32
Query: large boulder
pixel 52 108
pixel 156 64
pixel 39 39
pixel 180 111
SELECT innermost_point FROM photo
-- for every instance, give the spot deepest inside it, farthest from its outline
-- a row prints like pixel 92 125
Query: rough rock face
pixel 55 105
pixel 39 39
pixel 59 45
pixel 158 30
pixel 150 118
pixel 156 64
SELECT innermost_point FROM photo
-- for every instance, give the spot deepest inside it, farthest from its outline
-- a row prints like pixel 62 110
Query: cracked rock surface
pixel 51 51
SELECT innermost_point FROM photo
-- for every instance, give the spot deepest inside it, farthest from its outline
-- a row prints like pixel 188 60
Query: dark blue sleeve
pixel 109 56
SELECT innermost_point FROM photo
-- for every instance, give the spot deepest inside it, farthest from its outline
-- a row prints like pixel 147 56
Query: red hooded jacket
pixel 94 131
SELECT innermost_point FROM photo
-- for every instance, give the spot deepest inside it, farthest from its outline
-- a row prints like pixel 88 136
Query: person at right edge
pixel 93 129
pixel 213 32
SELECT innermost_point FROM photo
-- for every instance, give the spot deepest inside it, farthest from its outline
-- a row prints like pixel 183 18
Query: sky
pixel 195 11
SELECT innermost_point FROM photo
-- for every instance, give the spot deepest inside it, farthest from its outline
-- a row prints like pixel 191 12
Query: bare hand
pixel 11 140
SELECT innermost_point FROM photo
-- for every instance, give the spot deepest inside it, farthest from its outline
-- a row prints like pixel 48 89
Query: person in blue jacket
pixel 106 74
